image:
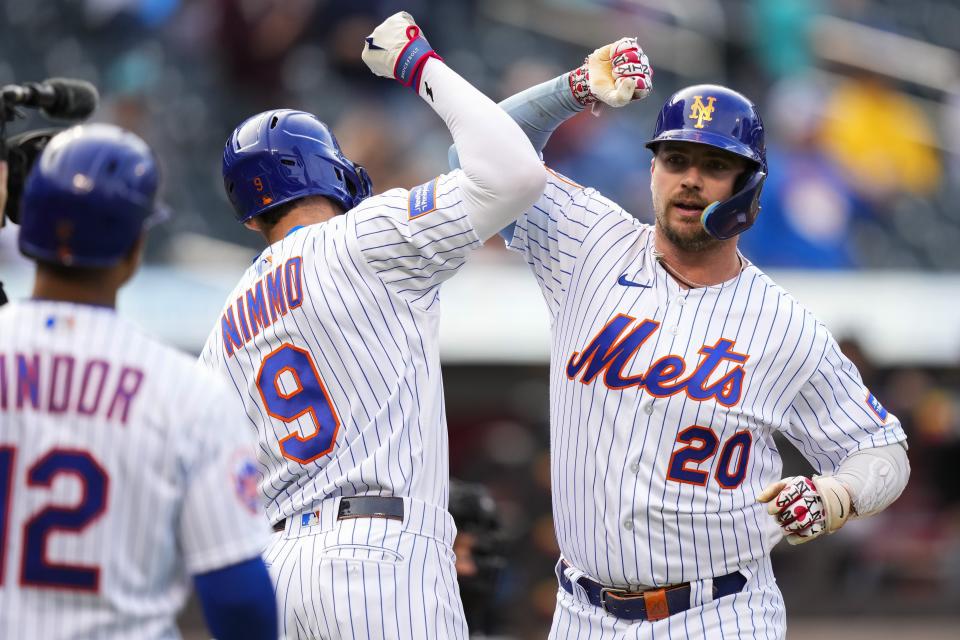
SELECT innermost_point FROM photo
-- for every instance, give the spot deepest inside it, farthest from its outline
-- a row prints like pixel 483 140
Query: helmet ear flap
pixel 364 186
pixel 733 216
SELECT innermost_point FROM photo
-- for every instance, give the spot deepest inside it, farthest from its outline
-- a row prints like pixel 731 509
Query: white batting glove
pixel 396 49
pixel 807 508
pixel 614 74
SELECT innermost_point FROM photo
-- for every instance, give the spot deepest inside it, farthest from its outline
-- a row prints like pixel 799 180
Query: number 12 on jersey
pixel 36 567
pixel 290 366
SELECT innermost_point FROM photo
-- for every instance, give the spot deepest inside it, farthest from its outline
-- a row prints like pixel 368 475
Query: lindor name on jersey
pixel 63 383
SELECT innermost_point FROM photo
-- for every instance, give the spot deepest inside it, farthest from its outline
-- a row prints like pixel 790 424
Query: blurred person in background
pixel 780 35
pixel 256 37
pixel 951 128
pixel 808 208
pixel 881 140
pixel 480 556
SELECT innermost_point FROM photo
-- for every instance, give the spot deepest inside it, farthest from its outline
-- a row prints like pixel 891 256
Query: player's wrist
pixel 837 501
pixel 397 49
pixel 408 69
pixel 579 81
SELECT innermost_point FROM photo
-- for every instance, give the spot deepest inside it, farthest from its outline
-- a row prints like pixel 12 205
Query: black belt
pixel 389 507
pixel 653 604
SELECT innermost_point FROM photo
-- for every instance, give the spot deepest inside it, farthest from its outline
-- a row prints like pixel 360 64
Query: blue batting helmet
pixel 722 118
pixel 279 156
pixel 89 197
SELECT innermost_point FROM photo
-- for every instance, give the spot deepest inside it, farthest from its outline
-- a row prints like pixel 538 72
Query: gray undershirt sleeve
pixel 875 477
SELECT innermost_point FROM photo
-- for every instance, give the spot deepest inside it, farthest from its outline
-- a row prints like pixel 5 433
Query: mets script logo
pixel 701 112
pixel 615 345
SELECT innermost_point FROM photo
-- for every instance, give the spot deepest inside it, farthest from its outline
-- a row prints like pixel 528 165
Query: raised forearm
pixel 540 109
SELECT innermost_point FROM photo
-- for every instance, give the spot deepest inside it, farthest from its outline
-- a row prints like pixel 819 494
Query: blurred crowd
pixel 862 99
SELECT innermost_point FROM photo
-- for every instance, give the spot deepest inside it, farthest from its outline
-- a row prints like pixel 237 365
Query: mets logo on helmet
pixel 701 112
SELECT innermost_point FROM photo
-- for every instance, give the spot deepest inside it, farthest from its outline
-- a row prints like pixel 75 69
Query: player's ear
pixel 652 161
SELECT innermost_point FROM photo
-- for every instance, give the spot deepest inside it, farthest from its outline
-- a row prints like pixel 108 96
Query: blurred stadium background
pixel 860 220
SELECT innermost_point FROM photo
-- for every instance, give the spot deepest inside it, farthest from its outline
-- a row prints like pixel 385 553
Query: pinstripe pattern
pixel 369 320
pixel 170 508
pixel 619 516
pixel 356 579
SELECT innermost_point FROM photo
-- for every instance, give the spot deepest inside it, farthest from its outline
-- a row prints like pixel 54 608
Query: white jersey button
pixel 635 467
pixel 674 330
pixel 681 300
pixel 648 409
pixel 628 525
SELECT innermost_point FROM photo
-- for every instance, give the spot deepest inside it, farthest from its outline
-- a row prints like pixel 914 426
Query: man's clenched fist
pixel 396 49
pixel 614 74
pixel 807 508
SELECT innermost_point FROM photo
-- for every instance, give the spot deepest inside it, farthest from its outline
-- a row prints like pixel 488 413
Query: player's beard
pixel 686 234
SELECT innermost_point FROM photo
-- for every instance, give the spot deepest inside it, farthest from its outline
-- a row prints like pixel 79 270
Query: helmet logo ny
pixel 701 112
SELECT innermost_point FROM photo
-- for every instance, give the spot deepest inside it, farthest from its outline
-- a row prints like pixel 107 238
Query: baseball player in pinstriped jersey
pixel 674 361
pixel 123 467
pixel 330 339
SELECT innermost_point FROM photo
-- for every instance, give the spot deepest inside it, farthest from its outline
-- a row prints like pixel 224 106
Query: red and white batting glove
pixel 614 74
pixel 396 49
pixel 807 508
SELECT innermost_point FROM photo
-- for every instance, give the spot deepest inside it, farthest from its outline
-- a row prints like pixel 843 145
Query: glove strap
pixel 409 66
pixel 579 80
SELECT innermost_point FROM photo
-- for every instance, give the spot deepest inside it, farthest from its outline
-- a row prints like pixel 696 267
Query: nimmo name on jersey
pixel 268 299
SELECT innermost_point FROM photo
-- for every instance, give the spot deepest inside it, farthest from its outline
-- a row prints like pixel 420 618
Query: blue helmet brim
pixel 710 138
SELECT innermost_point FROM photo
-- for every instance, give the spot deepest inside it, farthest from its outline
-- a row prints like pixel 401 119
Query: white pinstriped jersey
pixel 664 400
pixel 124 469
pixel 330 339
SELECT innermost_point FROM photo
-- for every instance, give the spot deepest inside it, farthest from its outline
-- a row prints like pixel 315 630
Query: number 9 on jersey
pixel 290 388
